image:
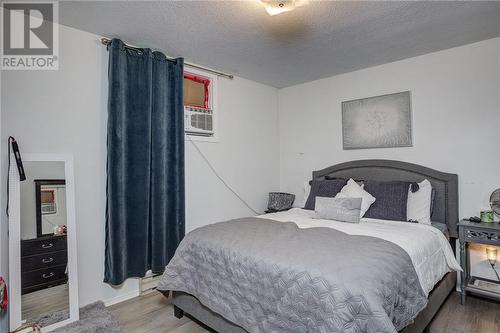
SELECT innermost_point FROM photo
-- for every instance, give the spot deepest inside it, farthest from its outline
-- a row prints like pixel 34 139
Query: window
pixel 196 91
pixel 48 201
pixel 199 106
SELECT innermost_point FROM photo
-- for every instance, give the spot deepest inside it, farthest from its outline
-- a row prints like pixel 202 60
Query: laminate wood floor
pixel 44 302
pixel 153 313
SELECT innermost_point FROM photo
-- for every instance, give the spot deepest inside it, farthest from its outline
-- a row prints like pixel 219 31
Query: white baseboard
pixel 122 298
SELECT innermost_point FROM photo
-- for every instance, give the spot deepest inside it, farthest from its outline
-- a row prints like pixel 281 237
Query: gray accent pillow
pixel 338 209
pixel 323 188
pixel 279 201
pixel 392 200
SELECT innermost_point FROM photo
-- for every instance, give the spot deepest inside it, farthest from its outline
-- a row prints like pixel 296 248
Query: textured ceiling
pixel 321 39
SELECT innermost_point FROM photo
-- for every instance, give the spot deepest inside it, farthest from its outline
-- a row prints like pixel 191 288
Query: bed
pixel 294 273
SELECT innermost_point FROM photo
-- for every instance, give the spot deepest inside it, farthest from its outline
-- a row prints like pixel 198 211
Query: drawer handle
pixel 47 246
pixel 46 276
pixel 46 261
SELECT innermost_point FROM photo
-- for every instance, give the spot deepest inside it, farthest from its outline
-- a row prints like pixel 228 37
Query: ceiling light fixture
pixel 275 7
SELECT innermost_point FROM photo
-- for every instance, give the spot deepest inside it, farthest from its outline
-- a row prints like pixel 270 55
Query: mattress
pixel 426 245
pixel 291 272
pixel 271 276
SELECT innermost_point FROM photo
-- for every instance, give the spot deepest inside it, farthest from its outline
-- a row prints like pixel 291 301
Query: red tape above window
pixel 204 81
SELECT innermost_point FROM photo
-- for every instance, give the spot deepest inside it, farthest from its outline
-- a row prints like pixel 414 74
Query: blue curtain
pixel 145 162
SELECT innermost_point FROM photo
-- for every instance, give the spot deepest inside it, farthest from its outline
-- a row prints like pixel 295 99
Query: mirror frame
pixel 15 312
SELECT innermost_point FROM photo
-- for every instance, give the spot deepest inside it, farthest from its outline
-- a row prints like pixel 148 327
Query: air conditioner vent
pixel 198 121
pixel 149 283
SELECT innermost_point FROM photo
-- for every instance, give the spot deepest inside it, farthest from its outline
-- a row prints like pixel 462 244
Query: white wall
pixel 246 155
pixel 456 120
pixel 64 111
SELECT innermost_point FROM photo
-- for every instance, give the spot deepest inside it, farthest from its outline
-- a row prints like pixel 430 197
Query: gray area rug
pixel 94 318
pixel 52 318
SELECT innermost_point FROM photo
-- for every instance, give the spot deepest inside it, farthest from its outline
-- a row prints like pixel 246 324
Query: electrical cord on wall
pixel 220 178
pixel 494 269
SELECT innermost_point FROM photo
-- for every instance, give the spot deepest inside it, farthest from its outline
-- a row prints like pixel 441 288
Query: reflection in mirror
pixel 44 257
pixel 50 196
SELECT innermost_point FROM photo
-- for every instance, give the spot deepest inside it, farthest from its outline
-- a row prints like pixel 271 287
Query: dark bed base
pixel 186 304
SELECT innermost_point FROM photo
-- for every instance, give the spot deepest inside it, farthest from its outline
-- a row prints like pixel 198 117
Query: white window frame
pixel 213 99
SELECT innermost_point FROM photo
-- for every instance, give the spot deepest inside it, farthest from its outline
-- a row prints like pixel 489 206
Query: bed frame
pixel 445 211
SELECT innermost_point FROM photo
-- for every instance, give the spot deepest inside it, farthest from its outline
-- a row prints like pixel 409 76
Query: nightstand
pixel 482 233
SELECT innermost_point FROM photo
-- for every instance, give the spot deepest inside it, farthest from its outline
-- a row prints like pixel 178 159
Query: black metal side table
pixel 482 233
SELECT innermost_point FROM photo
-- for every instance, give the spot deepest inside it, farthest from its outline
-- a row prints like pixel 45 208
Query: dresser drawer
pixel 42 245
pixel 46 260
pixel 42 276
pixel 483 235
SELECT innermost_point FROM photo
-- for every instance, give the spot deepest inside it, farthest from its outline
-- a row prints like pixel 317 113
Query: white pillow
pixel 419 203
pixel 305 191
pixel 353 190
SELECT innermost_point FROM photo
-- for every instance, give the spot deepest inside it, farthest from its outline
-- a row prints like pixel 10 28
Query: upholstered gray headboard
pixel 445 184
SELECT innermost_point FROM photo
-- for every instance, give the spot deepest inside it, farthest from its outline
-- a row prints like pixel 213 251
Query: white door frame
pixel 15 239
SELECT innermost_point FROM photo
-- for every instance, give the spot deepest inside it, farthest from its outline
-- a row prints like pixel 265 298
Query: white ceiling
pixel 321 39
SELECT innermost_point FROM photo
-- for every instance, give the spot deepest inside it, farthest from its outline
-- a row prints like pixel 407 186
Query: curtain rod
pixel 107 41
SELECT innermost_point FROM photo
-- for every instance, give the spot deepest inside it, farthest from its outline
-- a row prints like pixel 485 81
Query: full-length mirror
pixel 46 293
pixel 44 255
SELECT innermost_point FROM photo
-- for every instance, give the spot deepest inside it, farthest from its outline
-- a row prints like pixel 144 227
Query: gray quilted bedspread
pixel 269 276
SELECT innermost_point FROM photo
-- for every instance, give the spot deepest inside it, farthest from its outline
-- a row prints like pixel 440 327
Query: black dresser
pixel 43 263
